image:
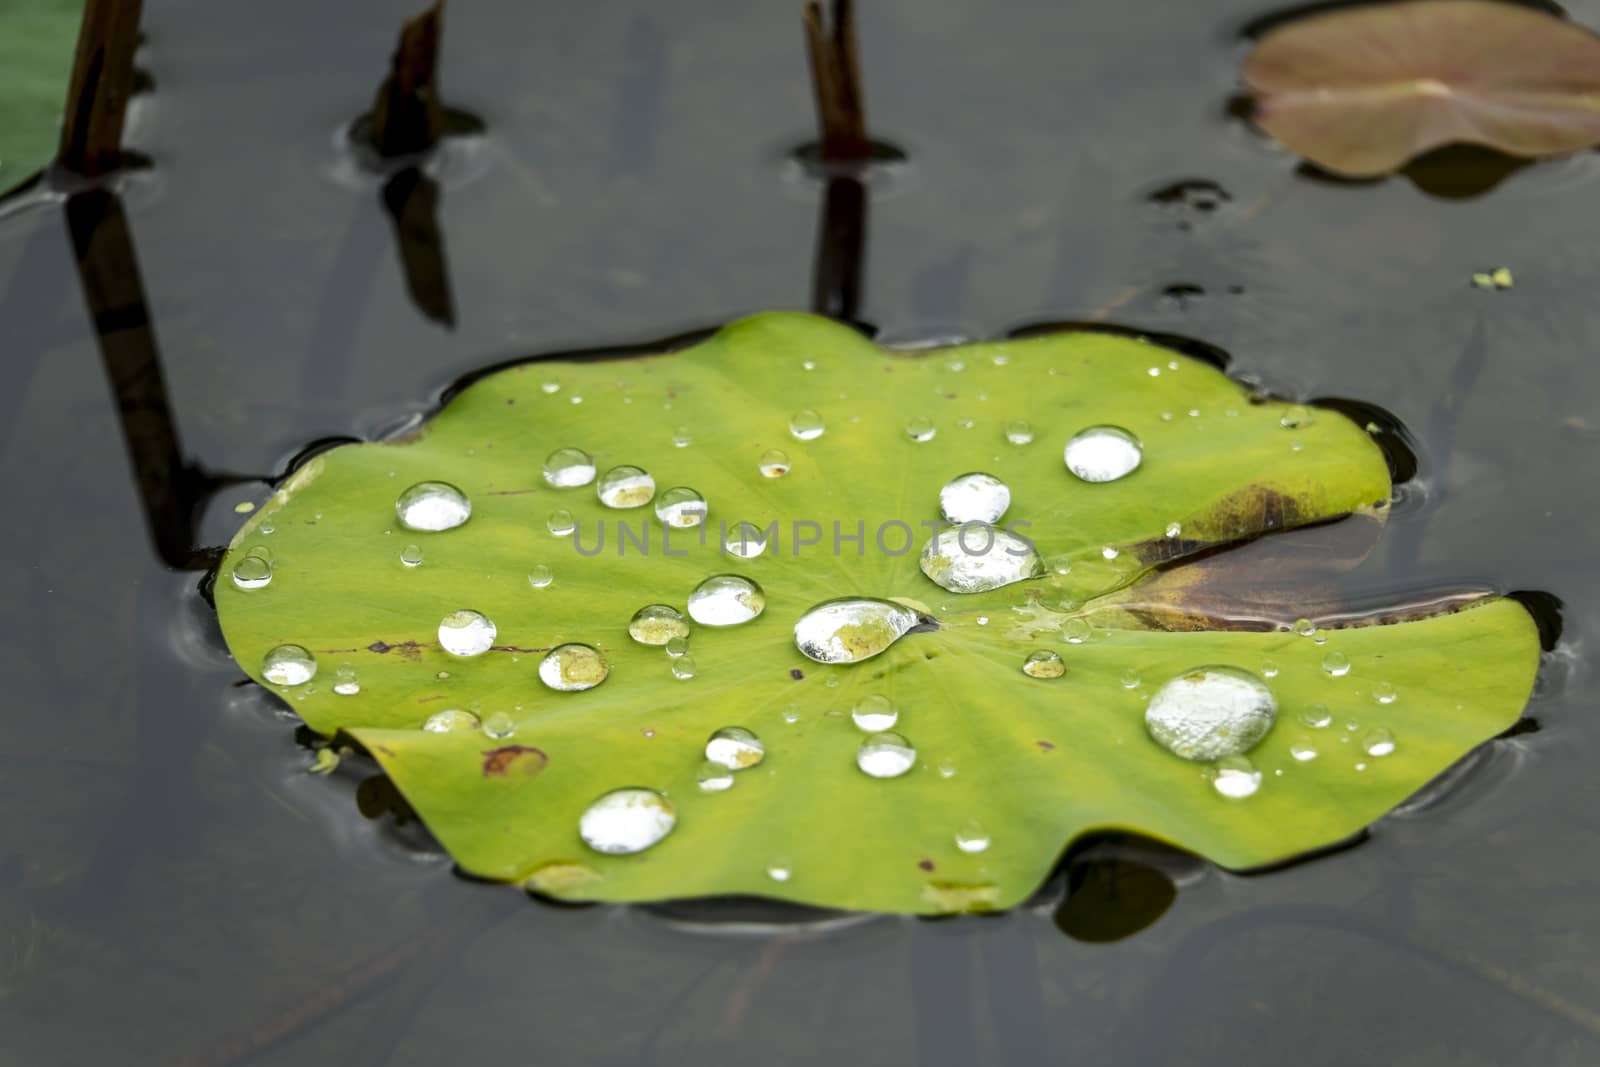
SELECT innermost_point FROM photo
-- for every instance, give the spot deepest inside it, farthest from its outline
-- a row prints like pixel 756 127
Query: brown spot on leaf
pixel 1046 746
pixel 796 673
pixel 926 865
pixel 513 759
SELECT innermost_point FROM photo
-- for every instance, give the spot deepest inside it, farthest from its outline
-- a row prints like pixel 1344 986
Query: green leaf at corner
pixel 1033 762
pixel 37 38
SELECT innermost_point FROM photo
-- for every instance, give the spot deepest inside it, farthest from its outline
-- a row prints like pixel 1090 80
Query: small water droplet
pixel 806 425
pixel 1044 663
pixel 713 777
pixel 744 540
pixel 1103 453
pixel 1235 777
pixel 1174 529
pixel 682 507
pixel 971 837
pixel 1384 693
pixel 683 667
pixel 499 725
pixel 1130 679
pixel 1317 716
pixel 779 872
pixel 726 600
pixel 975 558
pixel 974 497
pixel 252 572
pixel 921 429
pixel 265 528
pixel 875 713
pixel 568 468
pixel 540 576
pixel 809 364
pixel 774 464
pixel 947 769
pixel 885 755
pixel 625 821
pixel 1302 751
pixel 657 624
pixel 466 633
pixel 431 507
pixel 1305 627
pixel 1019 432
pixel 288 665
pixel 450 720
pixel 682 438
pixel 561 523
pixel 571 668
pixel 346 684
pixel 735 748
pixel 677 646
pixel 1210 712
pixel 1297 416
pixel 791 714
pixel 625 487
pixel 851 629
pixel 1336 663
pixel 1269 668
pixel 1378 742
pixel 550 387
pixel 1110 552
pixel 1076 631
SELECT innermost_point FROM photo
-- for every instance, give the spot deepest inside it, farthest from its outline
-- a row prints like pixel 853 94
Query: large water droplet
pixel 1103 453
pixel 466 633
pixel 656 624
pixel 745 540
pixel 626 487
pixel 921 429
pixel 726 600
pixel 432 506
pixel 1235 777
pixel 1211 712
pixel 625 821
pixel 1378 742
pixel 885 756
pixel 735 748
pixel 288 665
pixel 806 425
pixel 682 507
pixel 568 468
pixel 573 667
pixel 1044 664
pixel 851 629
pixel 875 713
pixel 975 558
pixel 975 497
pixel 450 720
pixel 774 464
pixel 252 572
pixel 1305 627
pixel 346 685
pixel 713 777
pixel 972 837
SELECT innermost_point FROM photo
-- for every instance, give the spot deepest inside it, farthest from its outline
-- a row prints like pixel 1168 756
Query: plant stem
pixel 407 116
pixel 836 83
pixel 102 80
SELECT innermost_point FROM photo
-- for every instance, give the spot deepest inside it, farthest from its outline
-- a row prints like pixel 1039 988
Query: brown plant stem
pixel 836 83
pixel 102 81
pixel 407 116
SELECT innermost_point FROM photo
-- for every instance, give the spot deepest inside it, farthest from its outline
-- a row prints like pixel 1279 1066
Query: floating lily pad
pixel 1360 91
pixel 35 64
pixel 987 771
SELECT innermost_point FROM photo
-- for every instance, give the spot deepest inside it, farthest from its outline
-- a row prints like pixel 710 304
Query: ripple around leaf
pixel 1040 763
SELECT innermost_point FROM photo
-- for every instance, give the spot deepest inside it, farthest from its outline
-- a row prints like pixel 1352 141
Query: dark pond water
pixel 174 888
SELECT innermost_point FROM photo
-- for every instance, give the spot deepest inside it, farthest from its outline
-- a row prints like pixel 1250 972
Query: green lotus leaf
pixel 35 64
pixel 1028 763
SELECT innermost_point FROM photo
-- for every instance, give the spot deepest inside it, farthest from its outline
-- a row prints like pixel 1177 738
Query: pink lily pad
pixel 1361 91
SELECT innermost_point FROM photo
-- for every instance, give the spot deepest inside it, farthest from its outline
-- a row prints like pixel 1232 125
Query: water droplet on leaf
pixel 975 558
pixel 1019 432
pixel 466 633
pixel 885 755
pixel 1210 712
pixel 1103 454
pixel 288 665
pixel 726 600
pixel 572 668
pixel 875 713
pixel 657 624
pixel 626 487
pixel 1336 664
pixel 432 506
pixel 561 522
pixel 806 425
pixel 450 720
pixel 682 507
pixel 1044 663
pixel 745 540
pixel 713 777
pixel 735 748
pixel 851 629
pixel 975 497
pixel 625 821
pixel 1378 742
pixel 252 572
pixel 411 556
pixel 774 464
pixel 540 576
pixel 568 468
pixel 1235 777
pixel 921 429
pixel 971 837
pixel 683 668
